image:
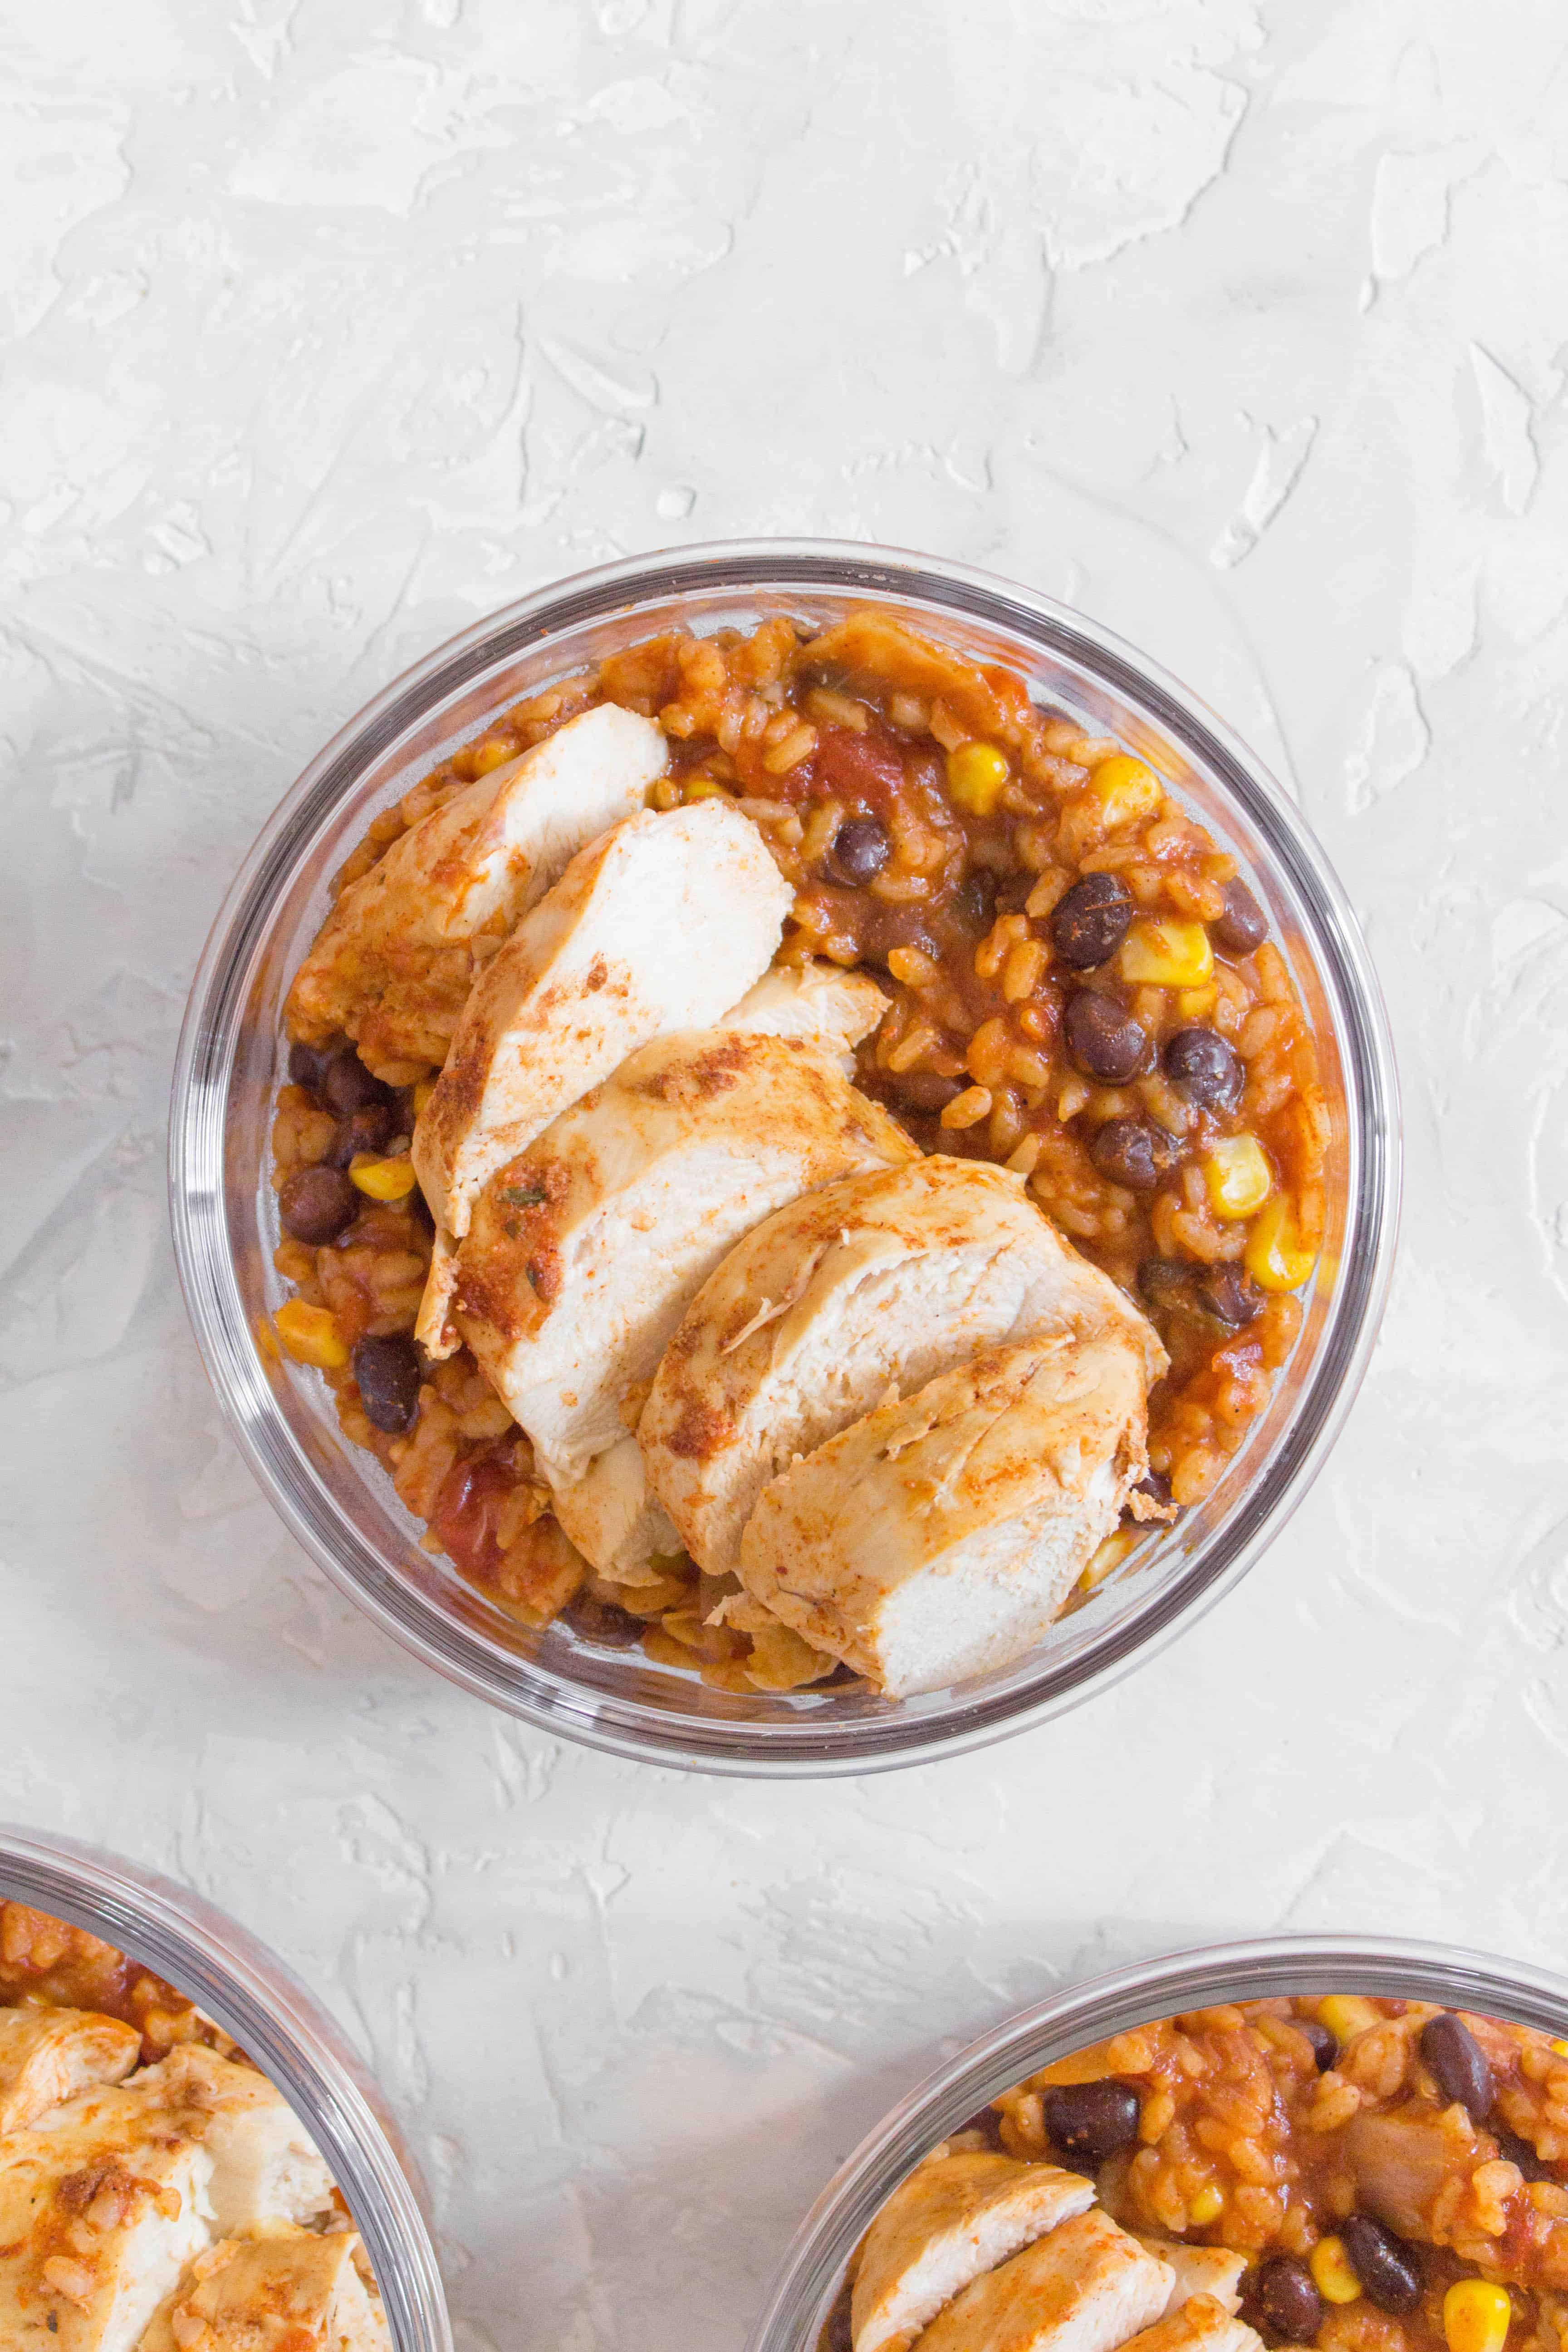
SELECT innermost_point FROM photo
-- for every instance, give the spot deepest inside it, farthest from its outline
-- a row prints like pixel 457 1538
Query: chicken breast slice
pixel 879 1281
pixel 817 1001
pixel 266 2170
pixel 148 2216
pixel 614 1519
pixel 936 1537
pixel 296 2292
pixel 1199 2270
pixel 660 925
pixel 394 960
pixel 587 1251
pixel 954 2217
pixel 1198 2322
pixel 48 2056
pixel 1085 2286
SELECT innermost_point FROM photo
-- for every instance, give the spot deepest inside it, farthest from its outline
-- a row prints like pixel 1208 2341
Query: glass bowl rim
pixel 242 1983
pixel 1196 1976
pixel 808 1748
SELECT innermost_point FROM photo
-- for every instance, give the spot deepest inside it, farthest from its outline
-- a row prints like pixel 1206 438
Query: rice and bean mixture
pixel 1397 2175
pixel 46 1963
pixel 1081 986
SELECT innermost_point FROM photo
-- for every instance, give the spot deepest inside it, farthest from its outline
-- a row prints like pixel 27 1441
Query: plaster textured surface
pixel 333 323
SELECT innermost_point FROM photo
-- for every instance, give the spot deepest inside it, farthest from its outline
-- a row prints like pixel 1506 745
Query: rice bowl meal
pixel 1361 2175
pixel 794 1156
pixel 157 2194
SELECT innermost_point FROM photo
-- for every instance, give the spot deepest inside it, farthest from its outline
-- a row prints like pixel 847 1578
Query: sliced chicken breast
pixel 1085 2286
pixel 587 1251
pixel 296 2292
pixel 660 925
pixel 395 959
pixel 936 1537
pixel 954 2217
pixel 817 999
pixel 1196 2322
pixel 87 2278
pixel 266 2170
pixel 1211 2271
pixel 614 1519
pixel 48 2056
pixel 877 1282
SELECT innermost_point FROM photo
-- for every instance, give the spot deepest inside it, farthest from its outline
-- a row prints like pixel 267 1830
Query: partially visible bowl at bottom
pixel 810 2277
pixel 246 1988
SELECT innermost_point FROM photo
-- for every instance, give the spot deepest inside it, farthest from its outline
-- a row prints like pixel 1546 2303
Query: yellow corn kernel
pixel 975 775
pixel 383 1179
pixel 1128 791
pixel 1275 1257
pixel 1476 2315
pixel 1197 1003
pixel 1166 952
pixel 1207 2206
pixel 1236 1175
pixel 310 1335
pixel 1109 1555
pixel 1330 2265
pixel 422 1094
pixel 1560 2048
pixel 492 755
pixel 1346 2014
pixel 703 788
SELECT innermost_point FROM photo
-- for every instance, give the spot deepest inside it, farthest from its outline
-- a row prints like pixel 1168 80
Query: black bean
pixel 1386 2265
pixel 346 1085
pixel 1231 1296
pixel 988 2123
pixel 1244 925
pixel 974 906
pixel 1089 2121
pixel 316 1203
pixel 1157 1488
pixel 1132 1152
pixel 602 1621
pixel 368 1128
pixel 1514 2150
pixel 1325 2049
pixel 1165 1282
pixel 1103 1038
pixel 1200 1066
pixel 860 850
pixel 1089 921
pixel 1459 2062
pixel 307 1065
pixel 925 1090
pixel 387 1373
pixel 1283 2291
pixel 838 2333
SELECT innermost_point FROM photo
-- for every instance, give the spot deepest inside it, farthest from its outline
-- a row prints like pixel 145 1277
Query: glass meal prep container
pixel 810 2277
pixel 335 1498
pixel 246 1988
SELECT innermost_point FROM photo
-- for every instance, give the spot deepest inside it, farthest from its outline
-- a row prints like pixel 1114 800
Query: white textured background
pixel 336 322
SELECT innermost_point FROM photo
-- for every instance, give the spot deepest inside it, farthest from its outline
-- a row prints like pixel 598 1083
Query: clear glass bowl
pixel 203 1954
pixel 808 2280
pixel 335 1498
